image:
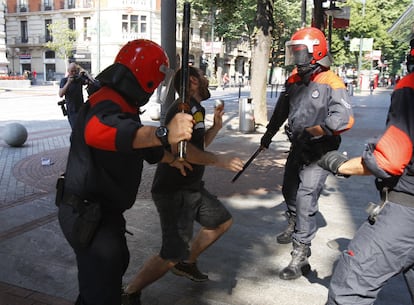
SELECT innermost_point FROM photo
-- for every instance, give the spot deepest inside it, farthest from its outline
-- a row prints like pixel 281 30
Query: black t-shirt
pixel 74 94
pixel 169 179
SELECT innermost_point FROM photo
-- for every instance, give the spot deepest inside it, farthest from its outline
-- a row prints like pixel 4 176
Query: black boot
pixel 286 236
pixel 299 264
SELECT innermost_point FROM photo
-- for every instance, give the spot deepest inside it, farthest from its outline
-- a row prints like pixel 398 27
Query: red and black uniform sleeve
pixel 113 171
pixel 392 153
pixel 111 123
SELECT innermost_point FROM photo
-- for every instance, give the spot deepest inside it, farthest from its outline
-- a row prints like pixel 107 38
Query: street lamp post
pixel 303 13
pixel 212 43
pixel 98 64
pixel 12 56
pixel 13 52
pixel 360 50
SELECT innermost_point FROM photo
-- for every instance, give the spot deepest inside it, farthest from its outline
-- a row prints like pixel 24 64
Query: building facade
pixel 102 27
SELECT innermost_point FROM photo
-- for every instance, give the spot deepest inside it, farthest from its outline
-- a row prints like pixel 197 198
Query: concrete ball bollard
pixel 14 134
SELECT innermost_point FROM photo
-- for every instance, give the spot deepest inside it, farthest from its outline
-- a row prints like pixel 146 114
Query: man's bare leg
pixel 205 238
pixel 153 269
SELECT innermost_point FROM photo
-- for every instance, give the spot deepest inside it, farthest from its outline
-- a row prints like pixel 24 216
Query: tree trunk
pixel 260 59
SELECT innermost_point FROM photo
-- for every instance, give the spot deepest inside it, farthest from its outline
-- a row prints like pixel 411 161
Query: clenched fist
pixel 180 128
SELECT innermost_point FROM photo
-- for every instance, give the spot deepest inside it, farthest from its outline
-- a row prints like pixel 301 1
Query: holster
pixel 88 217
pixel 59 189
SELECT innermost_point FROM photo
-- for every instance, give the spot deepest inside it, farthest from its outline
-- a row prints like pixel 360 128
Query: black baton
pixel 185 49
pixel 256 153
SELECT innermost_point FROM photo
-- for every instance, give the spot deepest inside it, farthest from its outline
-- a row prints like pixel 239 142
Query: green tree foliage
pixel 237 18
pixel 232 18
pixel 64 39
pixel 378 17
pixel 287 21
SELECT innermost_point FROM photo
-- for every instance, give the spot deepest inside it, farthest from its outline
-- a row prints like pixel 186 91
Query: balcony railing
pixel 132 36
pixel 30 40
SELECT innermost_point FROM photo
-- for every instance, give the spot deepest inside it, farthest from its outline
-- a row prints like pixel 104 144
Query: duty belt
pixel 401 198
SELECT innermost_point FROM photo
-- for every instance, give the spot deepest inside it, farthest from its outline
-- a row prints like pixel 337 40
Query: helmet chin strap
pixel 307 71
pixel 121 79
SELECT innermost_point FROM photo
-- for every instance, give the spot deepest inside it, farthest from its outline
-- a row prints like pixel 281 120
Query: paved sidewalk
pixel 38 267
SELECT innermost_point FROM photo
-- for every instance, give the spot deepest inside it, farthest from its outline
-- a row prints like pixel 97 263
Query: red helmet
pixel 307 46
pixel 147 61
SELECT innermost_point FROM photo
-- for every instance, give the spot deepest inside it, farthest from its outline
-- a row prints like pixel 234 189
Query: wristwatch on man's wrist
pixel 162 134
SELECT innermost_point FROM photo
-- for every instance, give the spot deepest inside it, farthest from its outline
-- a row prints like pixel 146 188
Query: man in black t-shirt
pixel 181 200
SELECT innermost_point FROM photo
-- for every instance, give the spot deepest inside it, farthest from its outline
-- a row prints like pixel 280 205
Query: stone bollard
pixel 14 134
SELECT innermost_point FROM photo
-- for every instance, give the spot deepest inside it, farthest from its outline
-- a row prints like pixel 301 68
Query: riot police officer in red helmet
pixel 105 162
pixel 311 86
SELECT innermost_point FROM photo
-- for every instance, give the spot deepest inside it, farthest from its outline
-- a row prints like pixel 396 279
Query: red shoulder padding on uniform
pixel 99 135
pixel 351 122
pixel 393 151
pixel 294 77
pixel 406 81
pixel 106 93
pixel 331 79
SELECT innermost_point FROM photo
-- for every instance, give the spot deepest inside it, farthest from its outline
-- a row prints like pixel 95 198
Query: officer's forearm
pixel 145 137
pixel 354 166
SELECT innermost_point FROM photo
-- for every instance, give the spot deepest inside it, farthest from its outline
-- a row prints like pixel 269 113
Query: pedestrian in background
pixel 105 162
pixel 71 87
pixel 317 107
pixel 383 246
pixel 181 200
pixel 226 81
pixel 371 86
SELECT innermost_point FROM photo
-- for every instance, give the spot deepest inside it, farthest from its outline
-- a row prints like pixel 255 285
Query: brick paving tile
pixel 13 295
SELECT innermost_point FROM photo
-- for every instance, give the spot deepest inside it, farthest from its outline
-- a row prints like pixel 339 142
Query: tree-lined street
pixel 37 263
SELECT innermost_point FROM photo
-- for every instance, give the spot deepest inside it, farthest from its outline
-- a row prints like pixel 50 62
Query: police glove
pixel 332 160
pixel 266 139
